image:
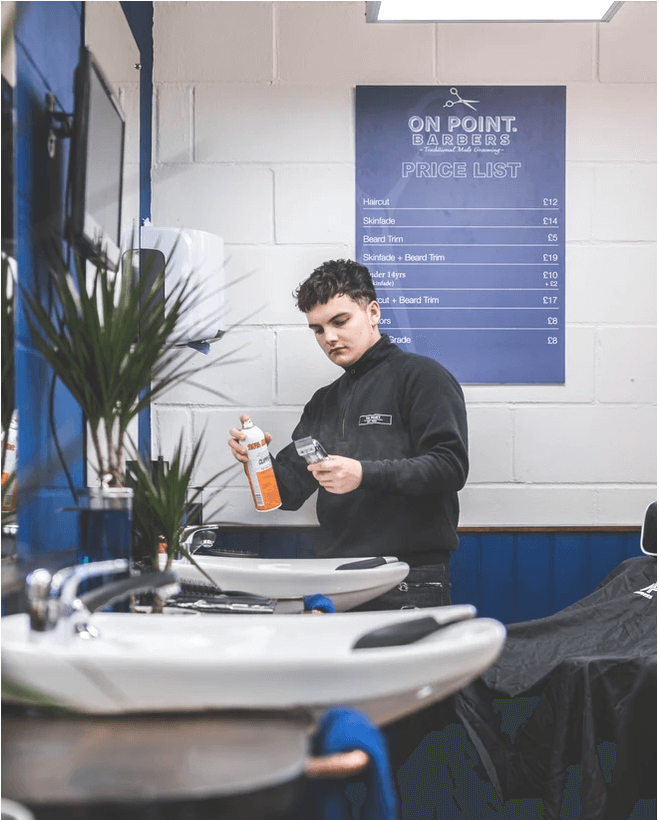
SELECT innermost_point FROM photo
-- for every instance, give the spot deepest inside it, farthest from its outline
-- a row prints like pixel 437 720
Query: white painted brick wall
pixel 625 356
pixel 272 273
pixel 628 50
pixel 298 345
pixel 314 203
pixel 625 207
pixel 262 123
pixel 330 43
pixel 254 139
pixel 612 283
pixel 515 53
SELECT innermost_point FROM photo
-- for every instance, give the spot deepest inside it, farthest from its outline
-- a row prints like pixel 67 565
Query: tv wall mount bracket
pixel 60 125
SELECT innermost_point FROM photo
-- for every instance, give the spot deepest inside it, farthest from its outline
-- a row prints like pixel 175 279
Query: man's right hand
pixel 237 435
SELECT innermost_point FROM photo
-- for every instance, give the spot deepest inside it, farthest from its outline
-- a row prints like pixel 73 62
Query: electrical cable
pixel 53 430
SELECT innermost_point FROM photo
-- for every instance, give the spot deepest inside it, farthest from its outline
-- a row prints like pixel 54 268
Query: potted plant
pixel 110 343
pixel 164 502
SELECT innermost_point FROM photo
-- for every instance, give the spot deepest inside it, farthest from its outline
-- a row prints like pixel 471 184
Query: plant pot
pixel 104 528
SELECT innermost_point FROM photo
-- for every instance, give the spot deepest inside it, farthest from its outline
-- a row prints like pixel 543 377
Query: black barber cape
pixel 576 679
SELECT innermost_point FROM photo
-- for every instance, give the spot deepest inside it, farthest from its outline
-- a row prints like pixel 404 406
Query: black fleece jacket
pixel 403 417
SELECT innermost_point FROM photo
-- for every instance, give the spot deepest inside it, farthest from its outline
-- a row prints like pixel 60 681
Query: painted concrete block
pixel 579 378
pixel 522 505
pixel 233 507
pixel 612 283
pixel 585 444
pixel 239 368
pixel 340 48
pixel 129 99
pixel 263 123
pixel 168 424
pixel 212 426
pixel 173 111
pixel 580 193
pixel 269 275
pixel 624 506
pixel 491 445
pixel 130 201
pixel 627 365
pixel 232 202
pixel 494 54
pixel 209 42
pixel 302 367
pixel 315 204
pixel 612 122
pixel 625 206
pixel 628 45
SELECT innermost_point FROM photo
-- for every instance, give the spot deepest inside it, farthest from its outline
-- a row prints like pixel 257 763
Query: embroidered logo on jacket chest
pixel 375 418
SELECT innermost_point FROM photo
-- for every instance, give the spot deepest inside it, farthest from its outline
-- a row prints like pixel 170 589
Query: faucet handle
pixel 52 596
pixel 65 583
pixel 37 589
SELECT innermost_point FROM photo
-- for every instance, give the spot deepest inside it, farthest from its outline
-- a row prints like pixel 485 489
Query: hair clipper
pixel 310 450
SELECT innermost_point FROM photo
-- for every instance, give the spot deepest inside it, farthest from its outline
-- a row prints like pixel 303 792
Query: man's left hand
pixel 338 475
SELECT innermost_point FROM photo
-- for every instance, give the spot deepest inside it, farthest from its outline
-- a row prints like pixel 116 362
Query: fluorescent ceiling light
pixel 452 11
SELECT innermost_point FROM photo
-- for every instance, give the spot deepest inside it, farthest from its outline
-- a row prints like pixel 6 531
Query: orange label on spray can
pixel 261 477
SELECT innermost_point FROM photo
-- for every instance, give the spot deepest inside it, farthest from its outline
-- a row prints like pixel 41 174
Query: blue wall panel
pixel 466 574
pixel 510 576
pixel 515 577
pixel 571 563
pixel 534 572
pixel 48 37
pixel 499 579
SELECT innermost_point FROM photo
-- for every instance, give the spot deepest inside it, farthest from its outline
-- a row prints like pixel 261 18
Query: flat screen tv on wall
pixel 97 164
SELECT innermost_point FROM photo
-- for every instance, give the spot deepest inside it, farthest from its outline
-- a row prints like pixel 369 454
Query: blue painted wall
pixel 510 576
pixel 48 38
pixel 140 19
pixel 514 576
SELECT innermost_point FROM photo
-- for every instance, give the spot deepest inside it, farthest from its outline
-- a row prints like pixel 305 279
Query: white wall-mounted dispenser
pixel 195 257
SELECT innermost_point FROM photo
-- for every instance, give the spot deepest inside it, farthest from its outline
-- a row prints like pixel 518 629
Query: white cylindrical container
pixel 259 470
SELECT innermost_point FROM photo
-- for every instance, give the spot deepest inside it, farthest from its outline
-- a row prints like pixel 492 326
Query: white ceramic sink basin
pixel 293 579
pixel 190 662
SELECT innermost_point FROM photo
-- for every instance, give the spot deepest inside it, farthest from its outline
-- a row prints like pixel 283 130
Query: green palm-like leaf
pixel 162 503
pixel 111 346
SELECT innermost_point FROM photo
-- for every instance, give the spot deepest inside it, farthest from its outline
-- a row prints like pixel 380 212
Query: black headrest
pixel 649 530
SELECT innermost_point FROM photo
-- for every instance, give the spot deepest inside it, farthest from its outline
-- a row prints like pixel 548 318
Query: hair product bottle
pixel 260 473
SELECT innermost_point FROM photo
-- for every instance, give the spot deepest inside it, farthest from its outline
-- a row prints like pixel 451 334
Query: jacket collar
pixel 373 356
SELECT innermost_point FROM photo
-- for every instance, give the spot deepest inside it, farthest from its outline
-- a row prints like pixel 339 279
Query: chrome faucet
pixel 196 537
pixel 56 609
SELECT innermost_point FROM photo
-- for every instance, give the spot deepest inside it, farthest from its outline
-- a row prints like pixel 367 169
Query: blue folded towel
pixel 343 729
pixel 320 602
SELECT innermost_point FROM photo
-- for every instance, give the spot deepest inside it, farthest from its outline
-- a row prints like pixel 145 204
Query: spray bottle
pixel 9 465
pixel 259 470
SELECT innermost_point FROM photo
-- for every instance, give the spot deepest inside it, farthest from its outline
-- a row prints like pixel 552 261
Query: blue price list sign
pixel 460 219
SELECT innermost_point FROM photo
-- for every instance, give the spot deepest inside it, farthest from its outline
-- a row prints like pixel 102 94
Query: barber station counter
pixel 206 766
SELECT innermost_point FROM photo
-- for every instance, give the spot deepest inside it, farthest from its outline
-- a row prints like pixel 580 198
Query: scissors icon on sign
pixel 451 103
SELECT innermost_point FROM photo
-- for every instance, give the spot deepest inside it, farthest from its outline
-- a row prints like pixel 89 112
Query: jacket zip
pixel 344 412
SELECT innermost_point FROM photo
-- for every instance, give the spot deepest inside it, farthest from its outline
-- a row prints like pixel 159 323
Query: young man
pixel 395 426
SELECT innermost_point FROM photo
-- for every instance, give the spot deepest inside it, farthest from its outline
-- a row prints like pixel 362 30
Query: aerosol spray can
pixel 9 465
pixel 260 474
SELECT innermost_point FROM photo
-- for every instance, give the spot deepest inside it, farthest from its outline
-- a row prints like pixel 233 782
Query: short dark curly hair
pixel 337 277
